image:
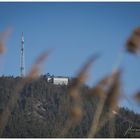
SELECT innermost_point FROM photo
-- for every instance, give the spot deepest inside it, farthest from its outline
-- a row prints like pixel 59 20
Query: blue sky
pixel 75 31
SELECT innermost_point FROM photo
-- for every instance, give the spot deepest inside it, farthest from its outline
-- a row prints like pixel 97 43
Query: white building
pixel 58 80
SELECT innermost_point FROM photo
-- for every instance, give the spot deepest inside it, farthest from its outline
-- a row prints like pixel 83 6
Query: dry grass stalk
pixel 3 38
pixel 114 92
pixel 133 43
pixel 100 91
pixel 15 97
pixel 97 115
pixel 137 96
pixel 112 102
pixel 74 92
pixel 2 47
pixel 111 125
pixel 96 92
pixel 36 68
pixel 107 90
pixel 76 112
pixel 10 106
pixel 81 77
pixel 107 118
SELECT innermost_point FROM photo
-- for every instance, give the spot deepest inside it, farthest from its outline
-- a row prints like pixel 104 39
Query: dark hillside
pixel 43 109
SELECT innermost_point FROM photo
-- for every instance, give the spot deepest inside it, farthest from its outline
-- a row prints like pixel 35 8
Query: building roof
pixel 59 77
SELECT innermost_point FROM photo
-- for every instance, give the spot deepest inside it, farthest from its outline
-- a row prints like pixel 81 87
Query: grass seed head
pixel 36 68
pixel 97 91
pixel 3 39
pixel 81 78
pixel 2 47
pixel 133 43
pixel 137 96
pixel 76 113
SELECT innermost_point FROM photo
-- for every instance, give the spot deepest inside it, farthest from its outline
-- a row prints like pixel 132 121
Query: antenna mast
pixel 22 67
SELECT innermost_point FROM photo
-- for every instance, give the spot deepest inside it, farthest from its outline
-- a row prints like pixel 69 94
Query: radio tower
pixel 22 67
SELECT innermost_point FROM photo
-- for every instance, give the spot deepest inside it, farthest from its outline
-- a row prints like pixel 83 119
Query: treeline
pixel 44 108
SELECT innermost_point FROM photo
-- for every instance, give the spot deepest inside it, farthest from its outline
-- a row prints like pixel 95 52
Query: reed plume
pixel 133 43
pixel 33 74
pixel 3 39
pixel 36 68
pixel 108 92
pixel 137 96
pixel 76 111
pixel 100 91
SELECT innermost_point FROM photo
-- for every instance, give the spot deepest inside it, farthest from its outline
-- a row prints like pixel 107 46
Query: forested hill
pixel 43 109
